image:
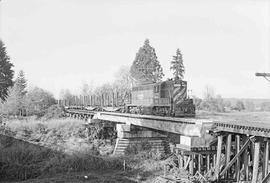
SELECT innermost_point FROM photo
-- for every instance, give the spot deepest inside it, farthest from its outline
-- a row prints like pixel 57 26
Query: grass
pixel 33 124
pixel 25 161
pixel 262 117
pixel 111 176
pixel 67 134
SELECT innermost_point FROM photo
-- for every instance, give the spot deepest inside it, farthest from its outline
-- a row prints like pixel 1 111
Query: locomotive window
pixel 156 89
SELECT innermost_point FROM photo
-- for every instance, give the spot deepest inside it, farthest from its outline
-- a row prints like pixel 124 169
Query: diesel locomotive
pixel 166 98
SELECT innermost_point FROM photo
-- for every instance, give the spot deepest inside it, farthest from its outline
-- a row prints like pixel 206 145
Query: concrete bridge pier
pixel 138 137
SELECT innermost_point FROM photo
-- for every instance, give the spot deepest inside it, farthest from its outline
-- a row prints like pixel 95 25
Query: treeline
pixel 215 103
pixel 122 85
pixel 23 102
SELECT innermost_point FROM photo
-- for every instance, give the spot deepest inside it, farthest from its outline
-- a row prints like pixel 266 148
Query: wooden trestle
pixel 239 154
pixel 246 152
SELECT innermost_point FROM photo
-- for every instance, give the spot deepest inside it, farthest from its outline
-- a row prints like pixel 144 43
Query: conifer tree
pixel 146 66
pixel 6 72
pixel 177 65
pixel 15 103
pixel 20 84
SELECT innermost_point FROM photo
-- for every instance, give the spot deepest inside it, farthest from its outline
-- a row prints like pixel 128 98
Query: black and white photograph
pixel 135 91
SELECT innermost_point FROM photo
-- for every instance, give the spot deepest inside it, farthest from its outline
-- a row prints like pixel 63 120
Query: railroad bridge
pixel 219 151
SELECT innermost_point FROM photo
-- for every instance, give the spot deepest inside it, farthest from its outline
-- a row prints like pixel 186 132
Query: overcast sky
pixel 64 43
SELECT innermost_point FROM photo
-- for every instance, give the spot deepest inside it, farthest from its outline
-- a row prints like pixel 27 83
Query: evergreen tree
pixel 6 72
pixel 15 104
pixel 20 84
pixel 146 66
pixel 177 65
pixel 239 105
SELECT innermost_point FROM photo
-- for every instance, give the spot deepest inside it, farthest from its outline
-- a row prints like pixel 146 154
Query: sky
pixel 61 44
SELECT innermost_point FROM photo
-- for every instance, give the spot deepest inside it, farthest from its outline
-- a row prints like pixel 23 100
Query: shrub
pixel 144 150
pixel 70 135
pixel 213 105
pixel 265 106
pixel 37 101
pixel 54 112
pixel 135 148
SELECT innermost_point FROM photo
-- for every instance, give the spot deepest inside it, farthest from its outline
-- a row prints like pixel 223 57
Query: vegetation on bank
pixel 67 135
pixel 66 145
pixel 59 145
pixel 21 161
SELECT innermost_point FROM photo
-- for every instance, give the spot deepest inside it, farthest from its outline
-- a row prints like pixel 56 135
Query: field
pixel 262 118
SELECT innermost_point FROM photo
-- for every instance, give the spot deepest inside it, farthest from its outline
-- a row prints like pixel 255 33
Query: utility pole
pixel 265 75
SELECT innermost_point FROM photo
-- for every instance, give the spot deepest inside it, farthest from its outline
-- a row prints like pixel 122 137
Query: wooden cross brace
pixel 235 157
